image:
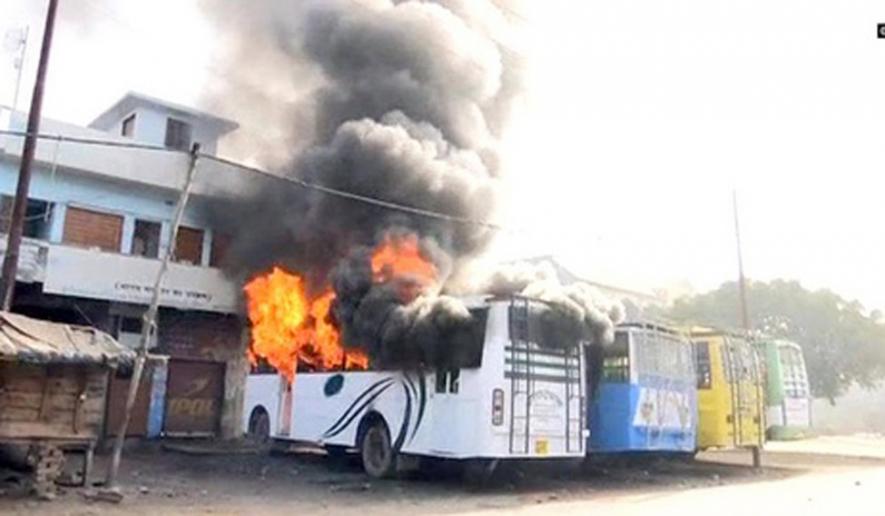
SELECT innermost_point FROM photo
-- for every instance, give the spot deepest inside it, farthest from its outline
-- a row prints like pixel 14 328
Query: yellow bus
pixel 730 390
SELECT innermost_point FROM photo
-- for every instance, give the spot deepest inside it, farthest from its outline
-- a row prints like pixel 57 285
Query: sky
pixel 638 120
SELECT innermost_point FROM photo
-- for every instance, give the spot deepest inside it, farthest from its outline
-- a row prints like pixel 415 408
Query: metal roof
pixel 23 339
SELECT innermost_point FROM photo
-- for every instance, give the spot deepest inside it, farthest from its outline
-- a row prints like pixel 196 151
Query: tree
pixel 841 343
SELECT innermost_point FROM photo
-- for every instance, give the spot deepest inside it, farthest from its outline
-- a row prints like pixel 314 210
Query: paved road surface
pixel 858 445
pixel 718 484
pixel 846 493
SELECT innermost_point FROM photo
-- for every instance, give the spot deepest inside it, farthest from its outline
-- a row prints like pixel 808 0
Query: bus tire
pixel 376 450
pixel 259 426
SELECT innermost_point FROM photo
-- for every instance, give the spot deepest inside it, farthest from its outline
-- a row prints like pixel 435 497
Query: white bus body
pixel 523 400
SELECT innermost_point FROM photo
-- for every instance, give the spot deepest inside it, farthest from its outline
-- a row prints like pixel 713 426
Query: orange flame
pixel 288 326
pixel 400 258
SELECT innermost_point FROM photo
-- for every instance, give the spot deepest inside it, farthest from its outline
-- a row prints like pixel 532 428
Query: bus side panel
pixel 789 416
pixel 751 397
pixel 611 417
pixel 328 407
pixel 262 390
pixel 774 392
pixel 630 417
pixel 459 422
pixel 664 417
pixel 714 405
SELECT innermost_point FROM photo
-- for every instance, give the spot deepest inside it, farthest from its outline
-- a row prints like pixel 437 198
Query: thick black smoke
pixel 402 101
pixel 576 311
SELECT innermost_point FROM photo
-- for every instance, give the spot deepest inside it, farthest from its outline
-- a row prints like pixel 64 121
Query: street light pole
pixel 20 204
pixel 745 322
pixel 742 281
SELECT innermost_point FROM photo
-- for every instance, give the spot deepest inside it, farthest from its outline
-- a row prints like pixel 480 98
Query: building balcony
pixel 91 273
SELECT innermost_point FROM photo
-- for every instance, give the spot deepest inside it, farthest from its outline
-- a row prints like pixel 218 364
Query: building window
pixel 220 245
pixel 178 134
pixel 128 129
pixel 38 215
pixel 129 332
pixel 189 245
pixel 146 239
pixel 89 228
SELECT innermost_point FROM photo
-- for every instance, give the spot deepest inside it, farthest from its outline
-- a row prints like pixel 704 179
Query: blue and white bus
pixel 642 395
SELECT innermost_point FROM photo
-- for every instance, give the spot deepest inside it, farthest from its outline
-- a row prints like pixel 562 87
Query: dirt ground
pixel 156 480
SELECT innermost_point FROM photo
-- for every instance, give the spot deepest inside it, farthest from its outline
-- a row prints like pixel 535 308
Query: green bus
pixel 787 393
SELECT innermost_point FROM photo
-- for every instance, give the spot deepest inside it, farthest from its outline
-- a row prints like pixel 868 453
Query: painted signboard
pixel 118 277
pixel 663 408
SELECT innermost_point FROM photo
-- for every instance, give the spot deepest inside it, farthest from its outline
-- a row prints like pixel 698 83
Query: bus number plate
pixel 542 447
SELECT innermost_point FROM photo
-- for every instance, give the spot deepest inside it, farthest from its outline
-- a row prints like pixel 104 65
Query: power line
pixel 293 180
pixel 361 198
pixel 91 141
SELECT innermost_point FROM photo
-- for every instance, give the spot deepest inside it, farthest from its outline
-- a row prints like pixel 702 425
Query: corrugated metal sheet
pixel 194 393
pixel 34 340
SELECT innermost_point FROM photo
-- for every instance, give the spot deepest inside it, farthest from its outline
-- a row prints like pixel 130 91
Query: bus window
pixel 616 361
pixel 261 366
pixel 793 373
pixel 448 378
pixel 704 371
pixel 465 344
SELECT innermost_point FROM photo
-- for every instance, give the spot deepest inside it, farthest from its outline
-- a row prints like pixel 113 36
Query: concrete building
pixel 98 220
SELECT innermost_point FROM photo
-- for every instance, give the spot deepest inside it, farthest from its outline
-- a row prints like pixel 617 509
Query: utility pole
pixel 20 204
pixel 149 324
pixel 742 281
pixel 745 322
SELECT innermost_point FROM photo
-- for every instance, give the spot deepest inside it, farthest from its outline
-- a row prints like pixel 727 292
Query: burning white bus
pixel 518 395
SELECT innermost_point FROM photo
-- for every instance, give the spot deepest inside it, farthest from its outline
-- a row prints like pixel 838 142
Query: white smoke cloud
pixel 578 302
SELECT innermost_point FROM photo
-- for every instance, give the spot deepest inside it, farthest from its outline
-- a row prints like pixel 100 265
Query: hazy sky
pixel 639 119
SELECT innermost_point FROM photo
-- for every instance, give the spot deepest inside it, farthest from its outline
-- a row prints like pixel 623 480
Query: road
pixel 847 493
pixel 159 481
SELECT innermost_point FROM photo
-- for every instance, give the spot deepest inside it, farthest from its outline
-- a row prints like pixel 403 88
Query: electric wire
pixel 382 203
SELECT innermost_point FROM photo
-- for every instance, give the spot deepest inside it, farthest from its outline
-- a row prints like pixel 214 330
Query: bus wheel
pixel 259 426
pixel 379 459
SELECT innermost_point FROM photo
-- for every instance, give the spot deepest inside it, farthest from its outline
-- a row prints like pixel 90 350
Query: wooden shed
pixel 53 388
